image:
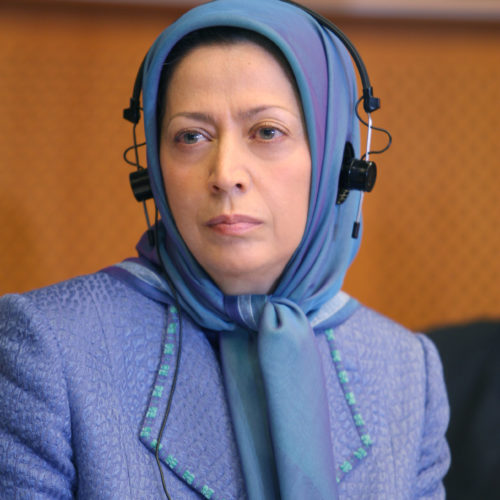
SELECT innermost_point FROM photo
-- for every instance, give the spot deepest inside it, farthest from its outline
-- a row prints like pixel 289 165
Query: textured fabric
pixel 84 376
pixel 313 276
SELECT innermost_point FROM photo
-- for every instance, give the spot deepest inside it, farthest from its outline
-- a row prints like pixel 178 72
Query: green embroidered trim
pixel 188 477
pixel 362 452
pixel 153 444
pixel 367 440
pixel 336 356
pixel 207 492
pixel 171 461
pixel 152 420
pixel 351 400
pixel 152 412
pixel 346 466
pixel 329 334
pixel 168 349
pixel 145 432
pixel 163 371
pixel 158 391
pixel 358 420
pixel 343 377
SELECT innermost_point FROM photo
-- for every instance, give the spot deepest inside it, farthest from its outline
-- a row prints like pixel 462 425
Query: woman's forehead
pixel 236 64
pixel 242 82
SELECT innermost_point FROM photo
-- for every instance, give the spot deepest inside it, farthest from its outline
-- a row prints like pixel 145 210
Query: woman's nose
pixel 228 174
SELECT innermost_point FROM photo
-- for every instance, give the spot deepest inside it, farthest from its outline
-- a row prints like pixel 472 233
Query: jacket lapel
pixel 197 444
pixel 350 418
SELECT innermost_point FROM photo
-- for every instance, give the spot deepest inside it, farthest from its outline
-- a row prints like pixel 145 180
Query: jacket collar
pixel 198 443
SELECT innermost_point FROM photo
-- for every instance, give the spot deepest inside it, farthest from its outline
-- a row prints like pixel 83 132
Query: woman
pixel 286 387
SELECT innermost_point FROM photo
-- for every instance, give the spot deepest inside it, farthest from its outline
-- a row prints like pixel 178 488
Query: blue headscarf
pixel 287 404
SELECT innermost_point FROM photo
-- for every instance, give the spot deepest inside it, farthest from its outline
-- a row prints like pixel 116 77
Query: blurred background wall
pixel 431 240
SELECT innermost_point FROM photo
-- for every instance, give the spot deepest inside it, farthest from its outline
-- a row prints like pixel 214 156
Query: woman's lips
pixel 232 225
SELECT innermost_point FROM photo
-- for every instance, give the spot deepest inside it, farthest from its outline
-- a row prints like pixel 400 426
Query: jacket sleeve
pixel 35 429
pixel 434 458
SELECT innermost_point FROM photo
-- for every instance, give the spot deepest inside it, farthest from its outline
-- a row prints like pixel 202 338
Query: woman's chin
pixel 244 279
pixel 247 266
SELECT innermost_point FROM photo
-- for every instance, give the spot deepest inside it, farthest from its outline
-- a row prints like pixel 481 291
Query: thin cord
pixel 371 127
pixel 357 222
pixel 127 151
pixel 146 214
pixel 177 361
pixel 136 163
pixel 134 147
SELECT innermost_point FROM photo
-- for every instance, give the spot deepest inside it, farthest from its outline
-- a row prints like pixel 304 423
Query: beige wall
pixel 431 243
pixel 430 8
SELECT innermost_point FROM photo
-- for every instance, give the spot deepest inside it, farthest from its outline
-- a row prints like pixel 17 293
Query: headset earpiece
pixel 139 180
pixel 141 187
pixel 355 174
pixel 133 112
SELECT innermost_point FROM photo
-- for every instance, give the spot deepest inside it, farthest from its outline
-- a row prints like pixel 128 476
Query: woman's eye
pixel 189 137
pixel 268 133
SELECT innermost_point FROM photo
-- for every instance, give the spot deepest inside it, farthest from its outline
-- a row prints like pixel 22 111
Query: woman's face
pixel 236 164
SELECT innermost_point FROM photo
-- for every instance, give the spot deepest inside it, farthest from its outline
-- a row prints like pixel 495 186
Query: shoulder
pixel 397 378
pixel 373 334
pixel 369 323
pixel 399 364
pixel 77 302
pixel 86 333
pixel 73 356
pixel 84 321
pixel 70 295
pixel 59 298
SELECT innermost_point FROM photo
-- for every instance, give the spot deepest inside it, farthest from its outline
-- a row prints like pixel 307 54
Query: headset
pixel 355 173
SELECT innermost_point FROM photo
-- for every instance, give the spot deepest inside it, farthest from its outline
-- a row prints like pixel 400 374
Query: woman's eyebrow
pixel 195 115
pixel 250 113
pixel 243 114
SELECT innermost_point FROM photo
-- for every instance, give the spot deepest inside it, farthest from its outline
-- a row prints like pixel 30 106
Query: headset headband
pixel 370 103
pixel 357 174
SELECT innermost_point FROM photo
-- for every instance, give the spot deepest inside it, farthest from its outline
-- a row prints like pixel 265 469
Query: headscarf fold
pixel 281 420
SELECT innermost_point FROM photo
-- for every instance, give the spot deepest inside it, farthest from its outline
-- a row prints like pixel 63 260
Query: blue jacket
pixel 83 391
